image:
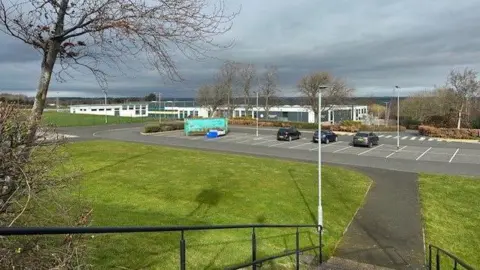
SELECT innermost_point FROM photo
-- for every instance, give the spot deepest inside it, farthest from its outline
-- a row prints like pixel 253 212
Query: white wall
pixel 124 110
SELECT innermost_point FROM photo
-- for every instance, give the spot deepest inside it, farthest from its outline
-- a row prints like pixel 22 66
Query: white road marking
pixel 371 149
pixel 341 149
pixel 454 154
pixel 231 139
pixel 431 139
pixel 299 145
pixel 264 141
pixel 388 136
pixel 422 139
pixel 244 141
pixel 396 137
pixel 413 138
pixel 403 138
pixel 381 135
pixel 396 151
pixel 278 144
pixel 426 151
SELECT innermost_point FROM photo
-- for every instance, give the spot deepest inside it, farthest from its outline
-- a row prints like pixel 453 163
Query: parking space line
pixel 454 154
pixel 426 151
pixel 342 149
pixel 396 151
pixel 381 135
pixel 231 139
pixel 278 144
pixel 264 141
pixel 388 136
pixel 295 146
pixel 431 139
pixel 366 151
pixel 244 141
pixel 403 138
pixel 313 149
pixel 422 139
pixel 259 138
pixel 413 138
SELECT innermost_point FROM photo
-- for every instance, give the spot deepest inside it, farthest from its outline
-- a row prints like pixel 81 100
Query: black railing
pixel 254 263
pixel 438 263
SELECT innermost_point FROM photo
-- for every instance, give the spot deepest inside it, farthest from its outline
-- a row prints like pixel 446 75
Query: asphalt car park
pixel 385 149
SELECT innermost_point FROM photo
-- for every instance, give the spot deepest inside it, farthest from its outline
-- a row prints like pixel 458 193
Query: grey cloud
pixel 373 44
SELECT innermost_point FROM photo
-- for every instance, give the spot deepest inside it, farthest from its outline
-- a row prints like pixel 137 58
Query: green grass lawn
pixel 451 213
pixel 137 184
pixel 66 119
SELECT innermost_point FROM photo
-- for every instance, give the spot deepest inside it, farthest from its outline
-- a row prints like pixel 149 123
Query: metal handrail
pixel 456 260
pixel 9 231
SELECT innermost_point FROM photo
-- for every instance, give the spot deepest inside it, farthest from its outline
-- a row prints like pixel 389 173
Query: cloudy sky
pixel 373 44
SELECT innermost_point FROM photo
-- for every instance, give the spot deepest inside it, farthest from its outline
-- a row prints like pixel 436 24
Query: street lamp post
pixel 398 116
pixel 106 117
pixel 320 208
pixel 257 114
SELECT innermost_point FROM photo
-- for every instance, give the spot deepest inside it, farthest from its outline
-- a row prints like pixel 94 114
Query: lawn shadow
pixel 206 199
pixel 312 215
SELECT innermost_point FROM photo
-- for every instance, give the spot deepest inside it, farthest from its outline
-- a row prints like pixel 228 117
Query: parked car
pixel 326 136
pixel 288 133
pixel 365 139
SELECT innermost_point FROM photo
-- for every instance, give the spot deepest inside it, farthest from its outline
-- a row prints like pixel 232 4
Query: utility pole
pixel 257 114
pixel 106 102
pixel 159 108
pixel 320 208
pixel 398 117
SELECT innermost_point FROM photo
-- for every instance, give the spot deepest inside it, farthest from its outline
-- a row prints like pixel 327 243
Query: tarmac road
pixel 445 160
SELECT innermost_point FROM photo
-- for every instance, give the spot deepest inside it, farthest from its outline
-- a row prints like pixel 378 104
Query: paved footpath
pixel 387 230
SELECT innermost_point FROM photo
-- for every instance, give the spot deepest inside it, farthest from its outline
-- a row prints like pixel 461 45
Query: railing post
pixel 429 257
pixel 254 248
pixel 182 251
pixel 297 250
pixel 320 254
pixel 437 260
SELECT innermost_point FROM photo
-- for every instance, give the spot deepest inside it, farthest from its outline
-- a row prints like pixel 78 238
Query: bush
pixel 161 127
pixel 453 133
pixel 351 123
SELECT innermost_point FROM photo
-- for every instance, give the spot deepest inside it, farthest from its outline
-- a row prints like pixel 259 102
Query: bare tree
pixel 334 90
pixel 247 75
pixel 466 86
pixel 89 34
pixel 269 88
pixel 227 80
pixel 211 97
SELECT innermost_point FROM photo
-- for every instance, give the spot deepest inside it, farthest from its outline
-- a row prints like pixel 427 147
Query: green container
pixel 204 124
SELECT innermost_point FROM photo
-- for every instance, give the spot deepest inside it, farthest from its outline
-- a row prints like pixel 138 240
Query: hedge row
pixel 160 127
pixel 345 126
pixel 453 133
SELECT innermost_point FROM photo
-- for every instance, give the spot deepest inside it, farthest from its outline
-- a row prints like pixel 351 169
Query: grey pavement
pixel 387 229
pixel 454 161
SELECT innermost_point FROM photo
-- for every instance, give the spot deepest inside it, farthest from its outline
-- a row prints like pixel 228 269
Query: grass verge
pixel 451 215
pixel 66 119
pixel 136 184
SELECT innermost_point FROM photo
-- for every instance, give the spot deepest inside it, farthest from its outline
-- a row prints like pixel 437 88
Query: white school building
pixel 292 113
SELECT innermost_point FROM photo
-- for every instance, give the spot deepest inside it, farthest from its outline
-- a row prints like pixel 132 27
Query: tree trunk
pixel 459 121
pixel 48 63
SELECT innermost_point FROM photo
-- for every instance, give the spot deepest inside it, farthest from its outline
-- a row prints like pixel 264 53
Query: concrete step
pixel 336 263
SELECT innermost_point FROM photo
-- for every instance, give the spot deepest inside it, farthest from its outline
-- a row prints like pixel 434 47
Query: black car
pixel 326 136
pixel 288 133
pixel 365 139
